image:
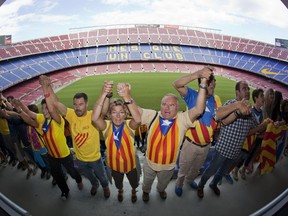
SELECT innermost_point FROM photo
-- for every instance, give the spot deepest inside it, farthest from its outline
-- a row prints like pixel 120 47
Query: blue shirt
pixel 190 100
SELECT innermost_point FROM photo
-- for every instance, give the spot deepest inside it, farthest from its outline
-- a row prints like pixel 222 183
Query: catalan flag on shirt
pixel 268 147
pixel 120 149
pixel 54 138
pixel 163 143
pixel 205 126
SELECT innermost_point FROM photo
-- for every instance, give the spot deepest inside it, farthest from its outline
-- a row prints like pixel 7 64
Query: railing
pixel 274 206
pixel 7 207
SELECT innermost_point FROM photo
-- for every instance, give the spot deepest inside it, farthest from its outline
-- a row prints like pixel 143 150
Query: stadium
pixel 142 48
pixel 138 48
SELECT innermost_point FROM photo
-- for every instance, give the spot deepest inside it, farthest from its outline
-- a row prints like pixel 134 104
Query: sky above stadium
pixel 262 20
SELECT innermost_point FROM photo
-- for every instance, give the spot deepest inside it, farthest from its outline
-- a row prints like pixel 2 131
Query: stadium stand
pixel 148 44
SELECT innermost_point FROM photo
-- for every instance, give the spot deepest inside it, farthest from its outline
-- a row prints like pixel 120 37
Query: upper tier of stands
pixel 108 49
pixel 152 34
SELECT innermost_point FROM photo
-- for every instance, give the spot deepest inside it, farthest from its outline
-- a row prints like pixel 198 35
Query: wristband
pixel 47 95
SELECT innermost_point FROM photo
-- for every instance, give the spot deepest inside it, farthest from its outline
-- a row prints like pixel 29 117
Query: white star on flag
pixel 207 109
pixel 166 123
pixel 116 136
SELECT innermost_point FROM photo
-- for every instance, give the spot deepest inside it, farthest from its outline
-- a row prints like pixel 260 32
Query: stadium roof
pixel 285 2
pixel 1 2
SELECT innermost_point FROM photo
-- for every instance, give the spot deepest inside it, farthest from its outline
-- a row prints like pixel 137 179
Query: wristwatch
pixel 129 102
pixel 203 86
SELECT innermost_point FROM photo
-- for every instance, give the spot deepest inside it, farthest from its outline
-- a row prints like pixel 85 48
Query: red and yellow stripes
pixel 51 144
pixel 163 149
pixel 202 134
pixel 268 147
pixel 80 139
pixel 249 142
pixel 122 159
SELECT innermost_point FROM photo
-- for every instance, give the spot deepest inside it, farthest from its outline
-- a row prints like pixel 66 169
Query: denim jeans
pixel 219 166
pixel 94 171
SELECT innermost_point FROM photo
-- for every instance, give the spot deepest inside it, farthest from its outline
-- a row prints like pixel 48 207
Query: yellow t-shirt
pixel 54 138
pixel 4 128
pixel 85 136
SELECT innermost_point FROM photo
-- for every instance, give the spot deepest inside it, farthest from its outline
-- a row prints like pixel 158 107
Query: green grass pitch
pixel 147 88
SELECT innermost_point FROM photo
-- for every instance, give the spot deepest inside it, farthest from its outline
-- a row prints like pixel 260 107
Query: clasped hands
pixel 245 108
pixel 44 80
pixel 123 89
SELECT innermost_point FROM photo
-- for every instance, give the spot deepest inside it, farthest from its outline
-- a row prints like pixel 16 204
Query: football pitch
pixel 147 88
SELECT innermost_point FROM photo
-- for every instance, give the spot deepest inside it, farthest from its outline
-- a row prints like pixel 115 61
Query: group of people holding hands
pixel 173 136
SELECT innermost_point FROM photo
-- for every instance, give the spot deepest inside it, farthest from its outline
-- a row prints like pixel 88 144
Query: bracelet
pixel 129 102
pixel 47 95
pixel 203 86
pixel 109 95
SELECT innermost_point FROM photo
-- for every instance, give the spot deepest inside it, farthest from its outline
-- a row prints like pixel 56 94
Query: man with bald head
pixel 166 130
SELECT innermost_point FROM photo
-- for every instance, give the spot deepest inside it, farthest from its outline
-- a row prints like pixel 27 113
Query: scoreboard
pixel 281 43
pixel 5 40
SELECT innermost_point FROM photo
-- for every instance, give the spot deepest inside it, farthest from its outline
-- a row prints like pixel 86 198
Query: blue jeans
pixel 94 171
pixel 219 166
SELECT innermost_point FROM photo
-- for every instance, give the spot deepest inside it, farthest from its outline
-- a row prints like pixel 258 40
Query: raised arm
pixel 97 114
pixel 6 103
pixel 23 112
pixel 107 101
pixel 180 83
pixel 19 106
pixel 50 96
pixel 46 86
pixel 124 90
pixel 229 113
pixel 198 110
pixel 3 113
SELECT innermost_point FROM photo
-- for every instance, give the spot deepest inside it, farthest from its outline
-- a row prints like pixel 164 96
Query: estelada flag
pixel 268 147
pixel 281 145
pixel 249 142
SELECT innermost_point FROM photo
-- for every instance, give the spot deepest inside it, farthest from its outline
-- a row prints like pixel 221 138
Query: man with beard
pixel 85 135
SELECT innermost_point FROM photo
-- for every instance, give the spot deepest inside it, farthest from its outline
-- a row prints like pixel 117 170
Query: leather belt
pixel 200 145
